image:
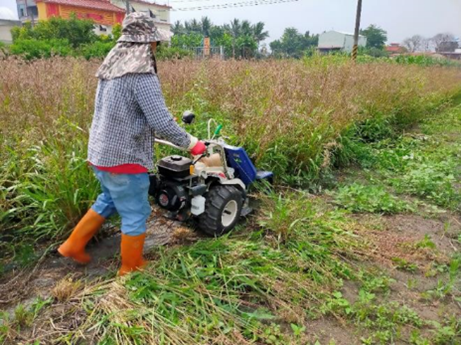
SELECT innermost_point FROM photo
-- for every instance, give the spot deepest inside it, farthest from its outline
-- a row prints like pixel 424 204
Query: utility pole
pixel 127 3
pixel 357 30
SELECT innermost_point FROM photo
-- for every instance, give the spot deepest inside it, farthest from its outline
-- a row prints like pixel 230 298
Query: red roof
pixel 393 49
pixel 396 48
pixel 93 4
pixel 150 3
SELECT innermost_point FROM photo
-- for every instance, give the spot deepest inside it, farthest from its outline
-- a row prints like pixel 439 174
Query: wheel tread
pixel 210 221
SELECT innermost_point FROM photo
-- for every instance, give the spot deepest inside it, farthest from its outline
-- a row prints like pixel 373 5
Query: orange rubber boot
pixel 132 260
pixel 74 247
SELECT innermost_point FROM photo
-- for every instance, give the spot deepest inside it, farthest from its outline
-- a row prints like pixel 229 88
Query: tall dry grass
pixel 291 116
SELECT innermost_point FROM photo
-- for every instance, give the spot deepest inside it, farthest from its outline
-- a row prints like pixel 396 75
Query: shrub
pixel 98 49
pixel 36 49
pixel 171 53
pixel 76 31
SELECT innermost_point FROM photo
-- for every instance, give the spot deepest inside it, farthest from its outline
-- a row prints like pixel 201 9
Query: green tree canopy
pixel 76 31
pixel 376 36
pixel 293 43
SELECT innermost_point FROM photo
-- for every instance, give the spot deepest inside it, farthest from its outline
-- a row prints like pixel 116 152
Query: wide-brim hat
pixel 139 28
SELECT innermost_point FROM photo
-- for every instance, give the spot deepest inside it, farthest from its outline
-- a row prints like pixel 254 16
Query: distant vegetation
pixel 69 37
pixel 238 39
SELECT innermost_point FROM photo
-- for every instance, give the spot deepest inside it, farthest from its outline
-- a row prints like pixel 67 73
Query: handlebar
pixel 167 143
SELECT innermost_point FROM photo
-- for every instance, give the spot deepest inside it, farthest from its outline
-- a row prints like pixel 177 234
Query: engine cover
pixel 171 197
pixel 174 166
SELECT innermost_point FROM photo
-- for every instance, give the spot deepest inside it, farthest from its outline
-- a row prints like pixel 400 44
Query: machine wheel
pixel 222 210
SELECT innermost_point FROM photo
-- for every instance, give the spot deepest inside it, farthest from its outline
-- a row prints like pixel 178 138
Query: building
pixel 27 10
pixel 450 49
pixel 7 21
pixel 332 41
pixel 456 55
pixel 104 14
pixel 160 13
pixel 395 49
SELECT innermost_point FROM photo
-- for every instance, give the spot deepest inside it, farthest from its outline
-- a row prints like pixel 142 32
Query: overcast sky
pixel 400 18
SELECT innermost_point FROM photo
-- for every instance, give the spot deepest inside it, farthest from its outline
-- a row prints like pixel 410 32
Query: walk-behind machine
pixel 212 188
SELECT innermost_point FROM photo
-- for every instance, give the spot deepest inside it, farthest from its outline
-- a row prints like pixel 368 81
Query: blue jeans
pixel 126 194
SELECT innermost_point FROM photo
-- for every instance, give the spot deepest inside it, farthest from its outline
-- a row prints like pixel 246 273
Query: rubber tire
pixel 216 199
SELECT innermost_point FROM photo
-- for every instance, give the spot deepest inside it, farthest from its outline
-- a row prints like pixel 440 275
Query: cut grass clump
pixel 66 289
pixel 369 198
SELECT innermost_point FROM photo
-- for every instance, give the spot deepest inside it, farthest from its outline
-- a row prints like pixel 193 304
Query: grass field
pixel 357 244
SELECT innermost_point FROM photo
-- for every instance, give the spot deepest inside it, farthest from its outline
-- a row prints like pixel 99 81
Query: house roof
pixel 104 5
pixel 150 3
pixel 393 49
pixel 346 33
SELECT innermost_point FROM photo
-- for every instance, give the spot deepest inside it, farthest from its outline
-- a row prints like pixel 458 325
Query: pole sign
pixel 206 46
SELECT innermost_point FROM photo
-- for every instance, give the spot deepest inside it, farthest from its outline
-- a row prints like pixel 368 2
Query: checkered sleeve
pixel 150 99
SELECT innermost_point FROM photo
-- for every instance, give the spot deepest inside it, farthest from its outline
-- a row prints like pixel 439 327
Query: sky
pixel 400 18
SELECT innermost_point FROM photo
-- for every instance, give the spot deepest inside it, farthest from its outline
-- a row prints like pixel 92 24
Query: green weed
pixel 426 243
pixel 22 316
pixel 434 181
pixel 375 282
pixel 404 265
pixel 373 199
pixel 447 332
pixel 385 321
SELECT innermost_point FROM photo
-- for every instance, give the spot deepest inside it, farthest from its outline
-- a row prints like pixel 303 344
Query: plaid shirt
pixel 129 111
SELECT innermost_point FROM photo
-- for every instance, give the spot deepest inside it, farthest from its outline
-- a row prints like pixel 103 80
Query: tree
pixel 293 44
pixel 246 46
pixel 193 26
pixel 206 26
pixel 177 28
pixel 239 38
pixel 235 28
pixel 246 29
pixel 414 43
pixel 259 34
pixel 187 41
pixel 440 40
pixel 376 36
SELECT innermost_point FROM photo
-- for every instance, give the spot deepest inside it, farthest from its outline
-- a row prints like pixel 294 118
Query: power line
pixel 233 5
pixel 172 2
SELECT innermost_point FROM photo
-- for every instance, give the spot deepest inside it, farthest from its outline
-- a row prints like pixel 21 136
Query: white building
pixel 7 21
pixel 160 13
pixel 339 41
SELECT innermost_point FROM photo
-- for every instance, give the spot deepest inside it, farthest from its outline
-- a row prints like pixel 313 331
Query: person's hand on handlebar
pixel 198 148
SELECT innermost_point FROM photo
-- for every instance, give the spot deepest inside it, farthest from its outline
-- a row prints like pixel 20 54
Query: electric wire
pixel 233 5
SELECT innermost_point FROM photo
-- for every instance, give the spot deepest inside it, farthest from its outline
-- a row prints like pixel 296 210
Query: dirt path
pixel 24 287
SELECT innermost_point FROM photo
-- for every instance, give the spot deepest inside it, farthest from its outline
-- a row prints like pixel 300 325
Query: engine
pixel 174 186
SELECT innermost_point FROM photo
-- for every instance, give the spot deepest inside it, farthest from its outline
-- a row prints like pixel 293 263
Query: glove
pixel 198 149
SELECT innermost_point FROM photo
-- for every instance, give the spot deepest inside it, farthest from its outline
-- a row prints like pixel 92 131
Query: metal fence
pixel 211 52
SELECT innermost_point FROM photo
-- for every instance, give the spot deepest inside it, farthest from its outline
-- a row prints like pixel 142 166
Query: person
pixel 129 112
